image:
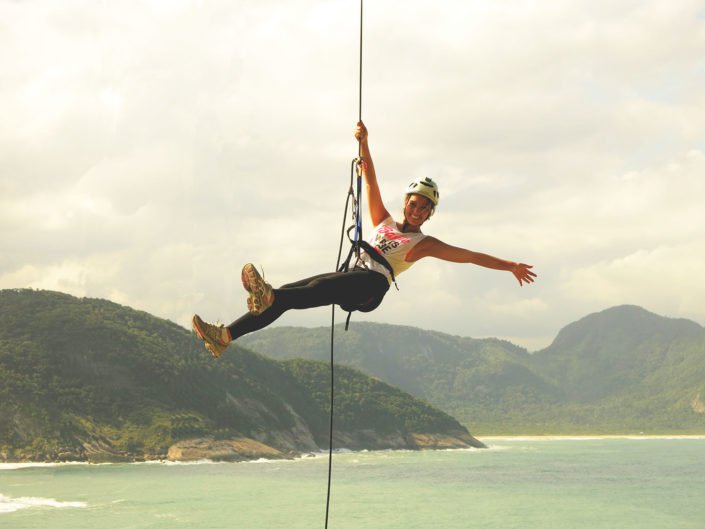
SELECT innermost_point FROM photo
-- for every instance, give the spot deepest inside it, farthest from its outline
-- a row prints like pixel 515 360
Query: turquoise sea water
pixel 518 483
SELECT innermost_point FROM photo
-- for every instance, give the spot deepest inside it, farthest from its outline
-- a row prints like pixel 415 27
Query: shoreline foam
pixel 313 456
pixel 633 437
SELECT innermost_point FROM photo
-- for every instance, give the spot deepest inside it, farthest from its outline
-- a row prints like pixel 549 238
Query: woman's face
pixel 417 209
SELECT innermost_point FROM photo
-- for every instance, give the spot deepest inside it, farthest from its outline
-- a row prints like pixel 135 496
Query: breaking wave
pixel 9 504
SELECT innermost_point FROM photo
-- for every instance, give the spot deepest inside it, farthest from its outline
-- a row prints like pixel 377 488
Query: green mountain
pixel 88 379
pixel 483 382
pixel 604 353
pixel 627 366
pixel 618 371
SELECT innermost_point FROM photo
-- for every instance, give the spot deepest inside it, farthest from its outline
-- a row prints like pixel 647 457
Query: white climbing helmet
pixel 424 187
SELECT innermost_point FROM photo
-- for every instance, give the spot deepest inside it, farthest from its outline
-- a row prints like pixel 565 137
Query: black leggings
pixel 358 289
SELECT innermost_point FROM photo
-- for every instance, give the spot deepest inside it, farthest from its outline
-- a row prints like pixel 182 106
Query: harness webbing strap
pixel 373 254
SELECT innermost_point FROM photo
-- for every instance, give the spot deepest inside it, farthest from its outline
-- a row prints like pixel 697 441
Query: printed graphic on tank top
pixel 394 245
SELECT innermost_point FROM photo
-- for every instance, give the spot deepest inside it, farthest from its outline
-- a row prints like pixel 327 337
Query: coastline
pixel 310 456
pixel 243 449
pixel 587 437
pixel 272 456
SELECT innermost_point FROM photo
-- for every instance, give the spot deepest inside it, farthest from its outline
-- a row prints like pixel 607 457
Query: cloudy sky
pixel 149 149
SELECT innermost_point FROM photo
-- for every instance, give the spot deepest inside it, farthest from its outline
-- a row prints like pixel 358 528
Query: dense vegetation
pixel 76 373
pixel 623 370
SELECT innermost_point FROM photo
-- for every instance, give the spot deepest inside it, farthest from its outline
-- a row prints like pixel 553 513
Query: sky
pixel 148 150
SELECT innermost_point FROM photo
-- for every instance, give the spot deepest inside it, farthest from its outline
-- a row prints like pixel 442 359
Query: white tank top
pixel 394 246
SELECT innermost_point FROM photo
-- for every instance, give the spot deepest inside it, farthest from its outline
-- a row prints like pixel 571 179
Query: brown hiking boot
pixel 212 335
pixel 261 293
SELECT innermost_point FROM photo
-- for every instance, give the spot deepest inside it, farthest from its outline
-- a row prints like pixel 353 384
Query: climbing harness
pixel 358 244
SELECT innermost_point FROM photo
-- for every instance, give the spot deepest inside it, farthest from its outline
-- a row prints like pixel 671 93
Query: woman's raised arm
pixel 374 198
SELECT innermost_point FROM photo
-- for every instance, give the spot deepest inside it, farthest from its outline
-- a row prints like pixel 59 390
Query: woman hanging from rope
pixel 362 287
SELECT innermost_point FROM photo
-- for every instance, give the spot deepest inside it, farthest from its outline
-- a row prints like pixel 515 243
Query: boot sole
pixel 254 284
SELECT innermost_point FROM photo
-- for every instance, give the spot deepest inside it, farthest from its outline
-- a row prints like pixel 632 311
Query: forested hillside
pixel 90 379
pixel 623 370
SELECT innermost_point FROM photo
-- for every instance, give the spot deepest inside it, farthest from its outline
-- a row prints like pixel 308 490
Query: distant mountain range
pixel 87 379
pixel 622 370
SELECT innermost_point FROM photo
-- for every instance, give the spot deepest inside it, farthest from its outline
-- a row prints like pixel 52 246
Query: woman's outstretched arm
pixel 432 247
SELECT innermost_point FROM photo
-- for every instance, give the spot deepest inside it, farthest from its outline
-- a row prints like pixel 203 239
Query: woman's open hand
pixel 523 274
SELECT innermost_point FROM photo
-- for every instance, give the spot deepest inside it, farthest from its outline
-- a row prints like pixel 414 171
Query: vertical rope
pixel 359 104
pixel 358 217
pixel 358 236
pixel 332 393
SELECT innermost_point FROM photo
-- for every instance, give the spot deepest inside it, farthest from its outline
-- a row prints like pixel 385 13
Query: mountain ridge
pixel 620 370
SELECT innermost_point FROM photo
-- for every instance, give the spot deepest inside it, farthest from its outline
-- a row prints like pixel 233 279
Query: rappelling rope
pixel 355 167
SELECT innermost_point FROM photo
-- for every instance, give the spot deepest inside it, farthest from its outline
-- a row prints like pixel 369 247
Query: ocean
pixel 527 483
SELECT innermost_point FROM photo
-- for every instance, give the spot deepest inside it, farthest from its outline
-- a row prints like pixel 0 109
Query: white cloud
pixel 646 277
pixel 148 150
